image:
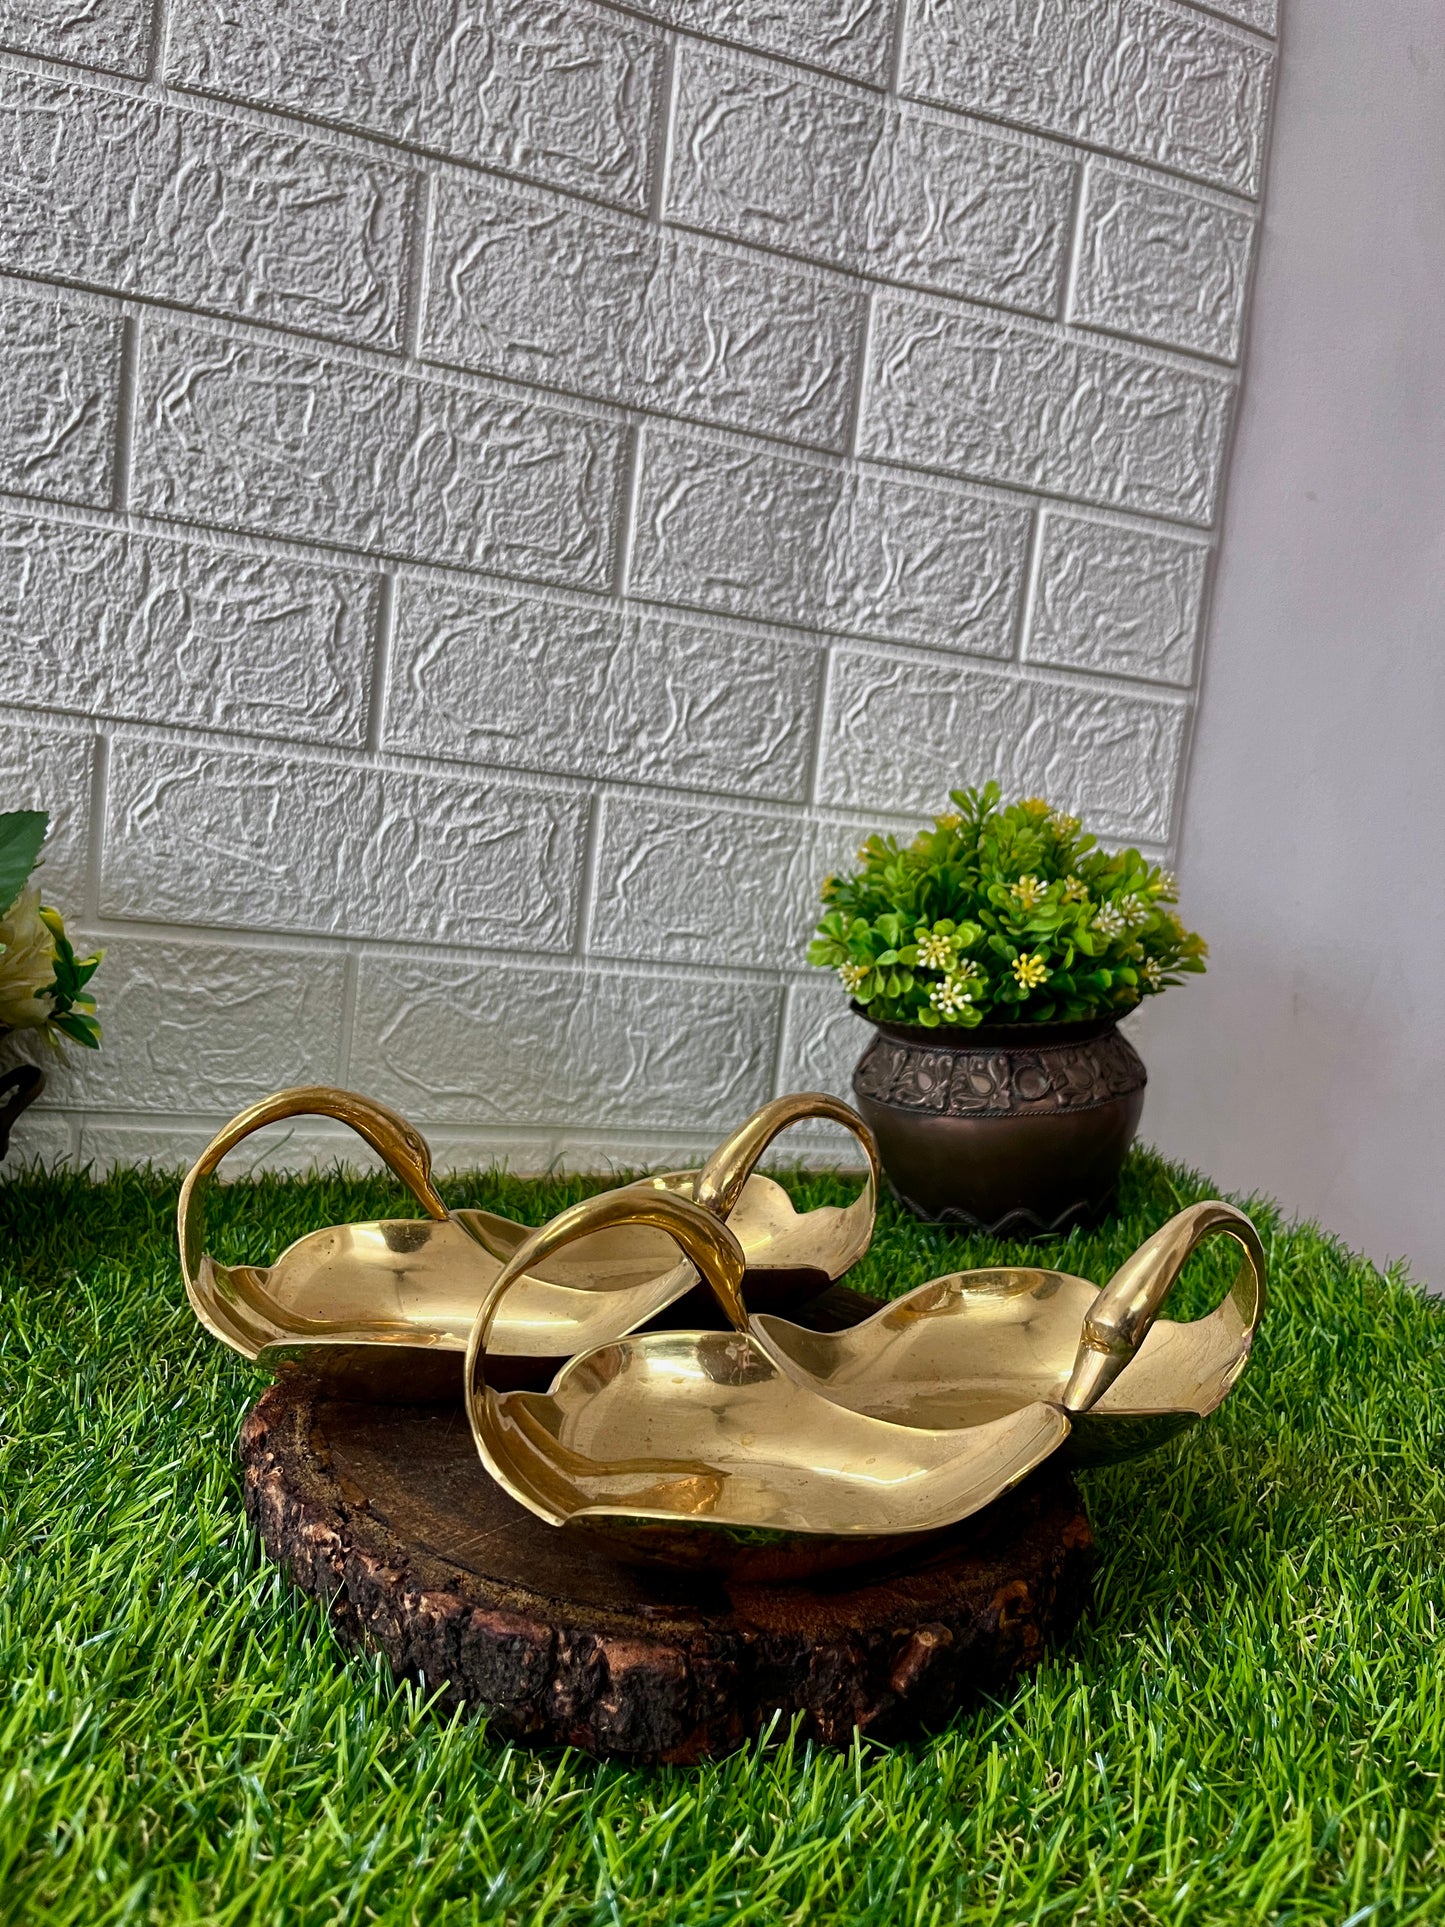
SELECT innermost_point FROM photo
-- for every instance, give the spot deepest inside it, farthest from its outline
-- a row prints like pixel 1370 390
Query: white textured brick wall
pixel 495 499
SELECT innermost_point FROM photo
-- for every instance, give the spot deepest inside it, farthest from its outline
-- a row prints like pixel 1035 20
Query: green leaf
pixel 960 882
pixel 21 834
pixel 84 1030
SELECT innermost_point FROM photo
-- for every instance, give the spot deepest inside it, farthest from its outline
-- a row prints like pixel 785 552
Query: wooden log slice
pixel 386 1514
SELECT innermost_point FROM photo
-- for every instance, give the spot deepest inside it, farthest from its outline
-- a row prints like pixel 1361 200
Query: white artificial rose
pixel 27 963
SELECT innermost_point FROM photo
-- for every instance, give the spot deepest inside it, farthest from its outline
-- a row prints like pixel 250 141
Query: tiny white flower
pixel 1029 892
pixel 1108 921
pixel 852 977
pixel 1166 884
pixel 1153 973
pixel 1064 825
pixel 1075 891
pixel 935 952
pixel 951 996
pixel 1135 909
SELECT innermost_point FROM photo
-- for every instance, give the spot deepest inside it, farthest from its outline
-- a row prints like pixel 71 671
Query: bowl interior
pixel 703 1428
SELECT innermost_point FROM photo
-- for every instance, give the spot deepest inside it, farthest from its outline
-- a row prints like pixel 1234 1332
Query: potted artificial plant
pixel 42 981
pixel 995 955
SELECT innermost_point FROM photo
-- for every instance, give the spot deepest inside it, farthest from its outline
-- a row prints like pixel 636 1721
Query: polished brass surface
pixel 384 1309
pixel 765 1450
pixel 974 1346
pixel 695 1448
pixel 775 1236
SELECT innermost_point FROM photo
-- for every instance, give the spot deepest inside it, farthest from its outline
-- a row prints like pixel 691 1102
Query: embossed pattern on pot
pixel 965 1081
pixel 1016 1129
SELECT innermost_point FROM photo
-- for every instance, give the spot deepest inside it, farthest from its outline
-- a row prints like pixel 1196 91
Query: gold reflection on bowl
pixel 977 1345
pixel 772 1452
pixel 384 1309
pixel 696 1449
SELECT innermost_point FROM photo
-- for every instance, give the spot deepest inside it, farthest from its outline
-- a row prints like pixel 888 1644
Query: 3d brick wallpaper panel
pixel 494 500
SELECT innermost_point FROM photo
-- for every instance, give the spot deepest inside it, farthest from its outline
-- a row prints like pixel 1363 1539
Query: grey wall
pixel 1311 1061
pixel 495 499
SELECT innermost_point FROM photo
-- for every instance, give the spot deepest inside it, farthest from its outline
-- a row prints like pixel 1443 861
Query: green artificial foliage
pixel 1248 1727
pixel 72 1006
pixel 21 834
pixel 42 981
pixel 1005 915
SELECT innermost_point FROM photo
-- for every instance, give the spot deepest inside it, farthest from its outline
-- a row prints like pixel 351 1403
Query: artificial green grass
pixel 1249 1726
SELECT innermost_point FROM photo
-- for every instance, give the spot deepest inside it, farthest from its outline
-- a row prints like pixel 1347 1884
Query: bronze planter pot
pixel 1015 1129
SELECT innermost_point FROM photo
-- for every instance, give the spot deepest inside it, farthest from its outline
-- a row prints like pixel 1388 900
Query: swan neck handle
pixel 399 1144
pixel 1118 1321
pixel 704 1240
pixel 720 1182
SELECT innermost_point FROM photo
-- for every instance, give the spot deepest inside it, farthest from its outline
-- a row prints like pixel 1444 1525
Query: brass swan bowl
pixel 790 1254
pixel 695 1449
pixel 976 1345
pixel 384 1309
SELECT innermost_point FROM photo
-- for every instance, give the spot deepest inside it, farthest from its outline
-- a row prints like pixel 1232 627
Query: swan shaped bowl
pixel 775 1461
pixel 383 1309
pixel 693 1448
